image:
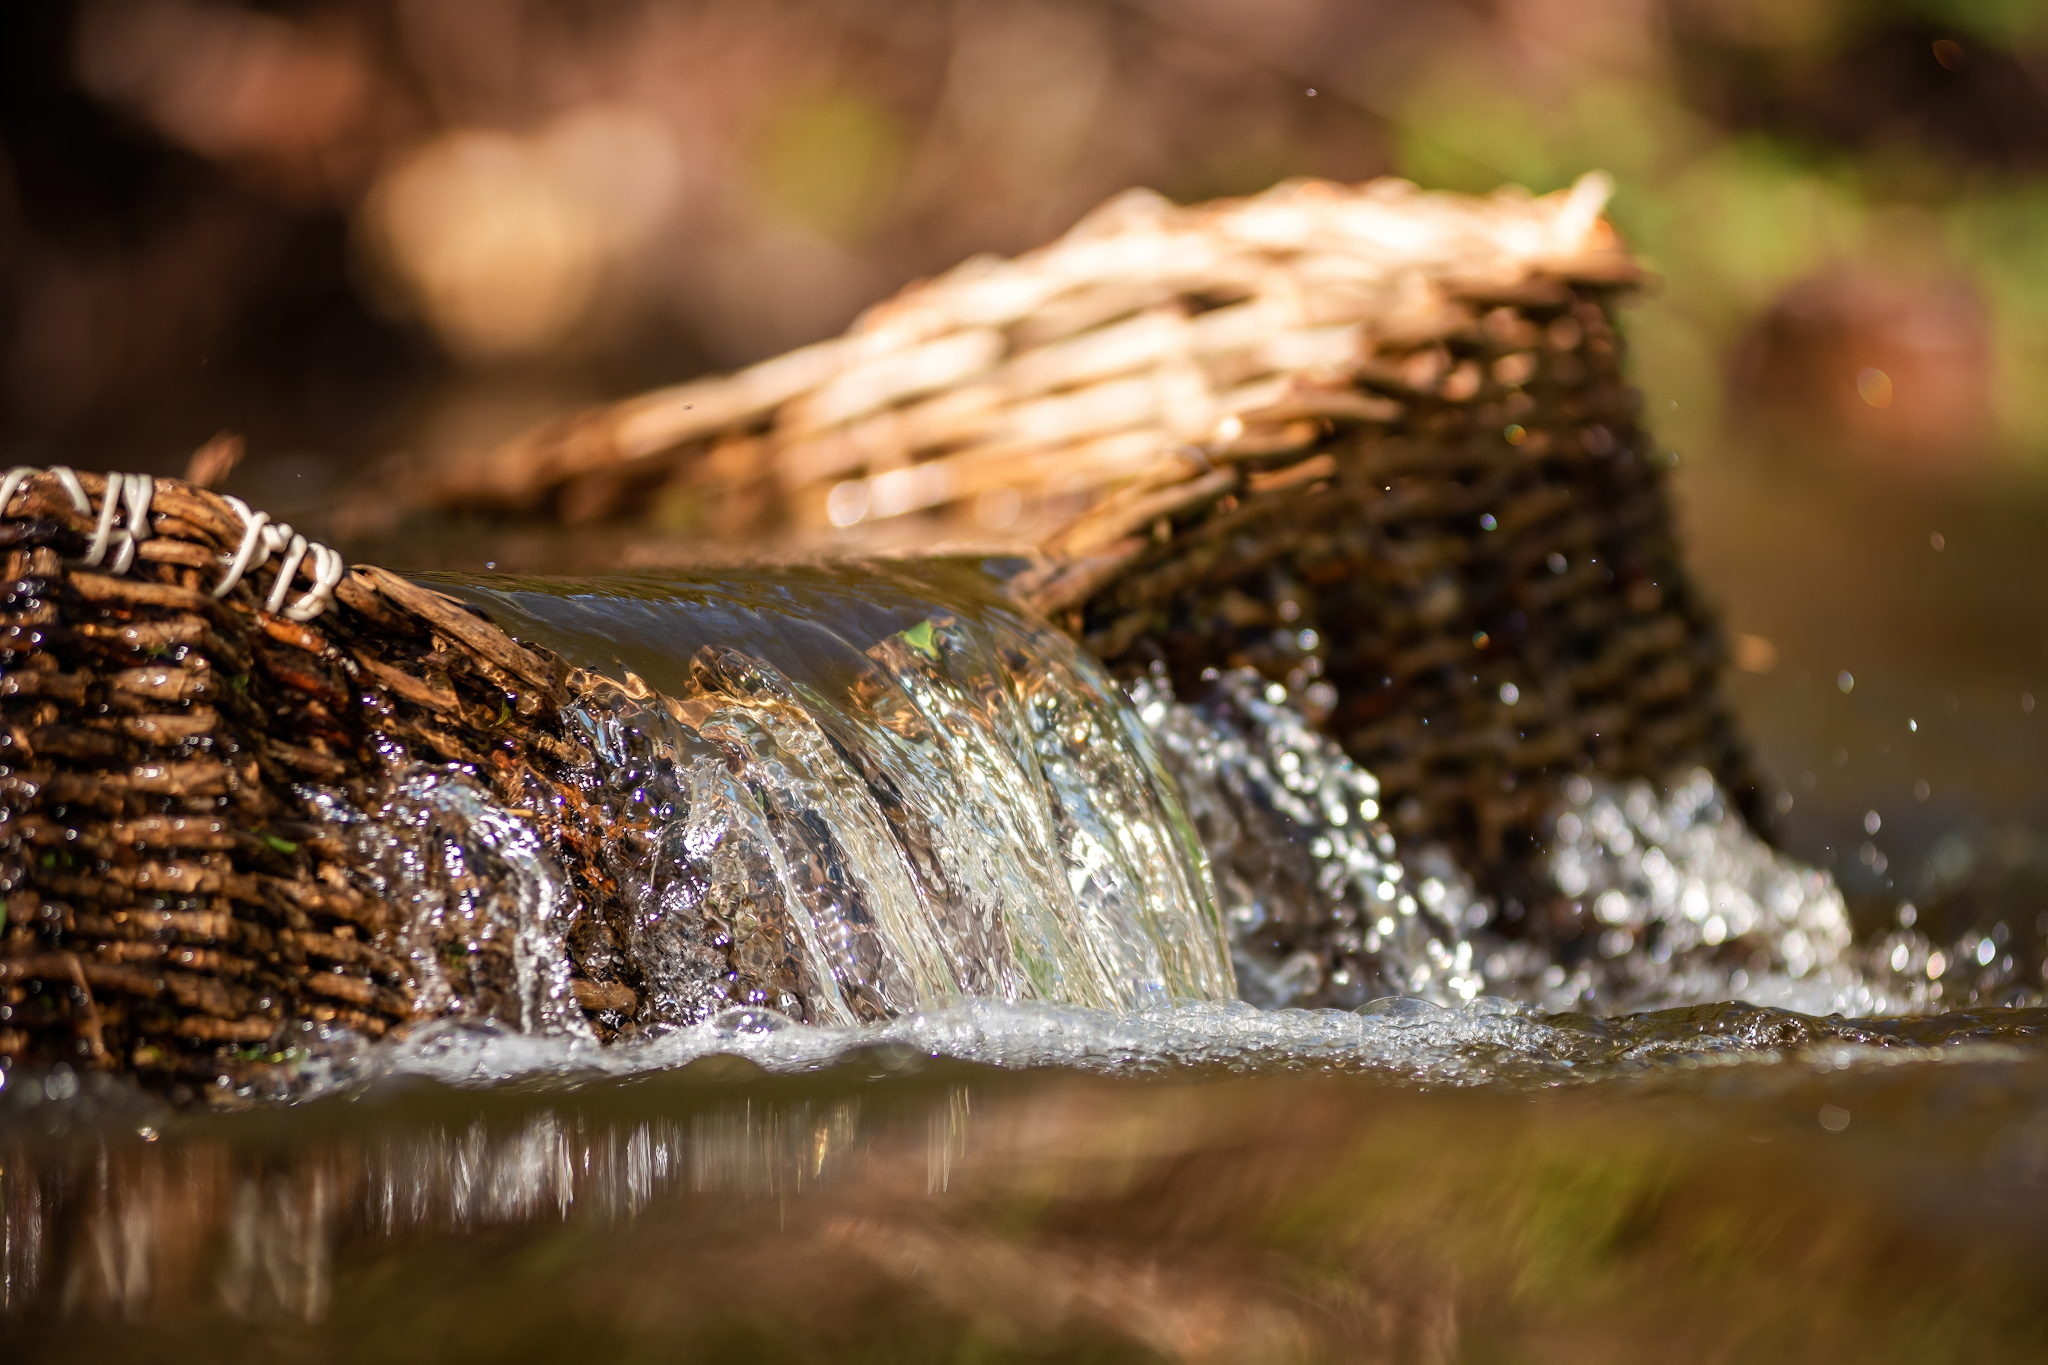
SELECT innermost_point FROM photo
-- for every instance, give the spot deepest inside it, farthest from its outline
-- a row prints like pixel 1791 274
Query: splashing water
pixel 480 905
pixel 1686 905
pixel 1321 911
pixel 964 807
pixel 854 797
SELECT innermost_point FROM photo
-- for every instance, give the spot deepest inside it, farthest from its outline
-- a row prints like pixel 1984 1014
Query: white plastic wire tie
pixel 13 481
pixel 139 493
pixel 274 604
pixel 253 524
pixel 261 538
pixel 103 534
pixel 68 477
pixel 327 571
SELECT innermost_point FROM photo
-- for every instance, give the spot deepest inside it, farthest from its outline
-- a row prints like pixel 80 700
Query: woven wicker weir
pixel 1373 442
pixel 179 898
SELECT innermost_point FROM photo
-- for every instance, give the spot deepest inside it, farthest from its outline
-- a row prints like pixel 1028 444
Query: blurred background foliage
pixel 362 231
pixel 353 226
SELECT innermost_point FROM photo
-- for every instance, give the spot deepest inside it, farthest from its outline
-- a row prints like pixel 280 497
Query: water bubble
pixel 1510 693
pixel 1834 1118
pixel 1557 562
pixel 1846 681
pixel 1938 542
pixel 1486 521
pixel 735 1023
pixel 1872 822
pixel 1401 1008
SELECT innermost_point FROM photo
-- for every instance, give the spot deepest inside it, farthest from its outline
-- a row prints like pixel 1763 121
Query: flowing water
pixel 1073 1019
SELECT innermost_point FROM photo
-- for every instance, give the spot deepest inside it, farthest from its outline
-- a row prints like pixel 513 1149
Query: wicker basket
pixel 188 694
pixel 1371 441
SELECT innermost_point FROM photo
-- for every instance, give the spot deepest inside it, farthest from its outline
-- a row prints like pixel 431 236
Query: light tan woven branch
pixel 1003 395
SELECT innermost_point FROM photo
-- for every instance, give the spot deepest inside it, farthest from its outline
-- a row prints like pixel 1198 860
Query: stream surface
pixel 1092 1021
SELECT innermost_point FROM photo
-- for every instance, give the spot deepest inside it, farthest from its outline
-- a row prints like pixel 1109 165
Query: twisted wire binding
pixel 261 538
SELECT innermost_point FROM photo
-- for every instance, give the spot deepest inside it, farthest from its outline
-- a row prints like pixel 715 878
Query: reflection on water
pixel 1835 1195
pixel 142 1226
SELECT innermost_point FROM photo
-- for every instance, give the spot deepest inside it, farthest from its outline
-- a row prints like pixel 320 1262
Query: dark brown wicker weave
pixel 175 903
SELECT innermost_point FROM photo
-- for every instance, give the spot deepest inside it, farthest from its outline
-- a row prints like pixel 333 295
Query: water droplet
pixel 1872 822
pixel 1834 1118
pixel 1846 681
pixel 1938 541
pixel 1510 693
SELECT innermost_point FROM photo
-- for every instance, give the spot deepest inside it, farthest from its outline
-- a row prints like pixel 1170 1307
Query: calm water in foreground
pixel 1730 1185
